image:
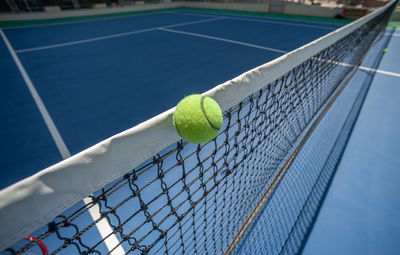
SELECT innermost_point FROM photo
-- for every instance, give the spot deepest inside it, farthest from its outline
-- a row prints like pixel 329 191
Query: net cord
pixel 22 206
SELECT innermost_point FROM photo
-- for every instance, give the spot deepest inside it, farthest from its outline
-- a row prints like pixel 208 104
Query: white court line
pixel 42 108
pixel 87 21
pixel 111 241
pixel 283 21
pixel 364 68
pixel 113 36
pixel 276 50
pixel 103 227
pixel 199 15
pixel 272 21
pixel 193 22
pixel 221 39
pixel 379 71
pixel 85 41
pixel 264 21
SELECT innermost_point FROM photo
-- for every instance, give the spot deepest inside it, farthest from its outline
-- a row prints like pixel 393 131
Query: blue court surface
pixel 98 78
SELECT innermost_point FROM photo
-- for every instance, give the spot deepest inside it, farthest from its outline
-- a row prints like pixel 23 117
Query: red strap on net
pixel 41 245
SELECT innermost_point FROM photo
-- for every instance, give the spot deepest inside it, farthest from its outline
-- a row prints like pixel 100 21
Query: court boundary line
pixel 277 50
pixel 222 39
pixel 94 39
pixel 362 68
pixel 89 20
pixel 99 38
pixel 284 23
pixel 198 12
pixel 102 226
pixel 264 20
pixel 373 70
pixel 62 148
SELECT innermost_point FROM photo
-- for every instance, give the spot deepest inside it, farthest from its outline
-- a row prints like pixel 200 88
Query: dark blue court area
pixel 98 78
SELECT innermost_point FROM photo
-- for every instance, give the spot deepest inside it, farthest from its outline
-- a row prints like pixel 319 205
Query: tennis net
pixel 254 189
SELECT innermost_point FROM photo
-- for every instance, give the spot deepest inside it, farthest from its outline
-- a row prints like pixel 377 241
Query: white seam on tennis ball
pixel 205 115
pixel 176 126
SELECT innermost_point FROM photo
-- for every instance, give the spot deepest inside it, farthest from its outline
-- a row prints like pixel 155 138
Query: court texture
pixel 68 84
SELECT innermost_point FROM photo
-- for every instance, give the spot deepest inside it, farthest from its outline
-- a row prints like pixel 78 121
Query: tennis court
pixel 98 78
pixel 256 188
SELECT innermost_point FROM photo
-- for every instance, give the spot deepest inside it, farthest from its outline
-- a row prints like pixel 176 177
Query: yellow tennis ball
pixel 384 50
pixel 197 118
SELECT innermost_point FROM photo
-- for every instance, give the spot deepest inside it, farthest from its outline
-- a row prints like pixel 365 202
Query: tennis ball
pixel 197 118
pixel 384 50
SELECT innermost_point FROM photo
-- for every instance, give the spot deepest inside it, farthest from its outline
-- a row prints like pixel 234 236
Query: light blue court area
pixel 392 58
pixel 97 78
pixel 361 209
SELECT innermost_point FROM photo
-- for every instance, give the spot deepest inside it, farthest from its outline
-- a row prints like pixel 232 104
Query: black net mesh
pixel 193 199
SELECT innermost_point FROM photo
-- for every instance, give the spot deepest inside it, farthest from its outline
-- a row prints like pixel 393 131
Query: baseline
pixel 264 20
pixel 113 36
